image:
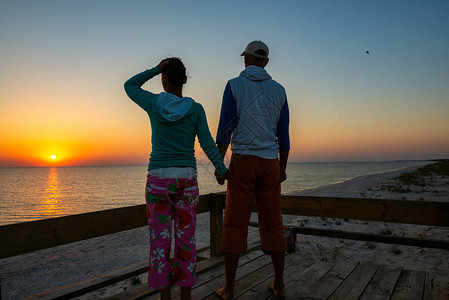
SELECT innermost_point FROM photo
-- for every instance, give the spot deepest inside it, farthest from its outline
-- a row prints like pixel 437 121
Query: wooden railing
pixel 26 237
pixel 381 210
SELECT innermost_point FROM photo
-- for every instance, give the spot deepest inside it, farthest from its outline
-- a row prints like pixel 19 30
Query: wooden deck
pixel 309 279
pixel 304 277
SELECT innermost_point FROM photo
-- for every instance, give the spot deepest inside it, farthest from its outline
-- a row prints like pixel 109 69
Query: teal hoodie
pixel 175 122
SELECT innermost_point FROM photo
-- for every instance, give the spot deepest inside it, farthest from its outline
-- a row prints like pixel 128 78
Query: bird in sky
pixel 367 52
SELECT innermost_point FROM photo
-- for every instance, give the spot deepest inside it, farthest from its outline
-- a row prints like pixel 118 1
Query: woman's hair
pixel 175 71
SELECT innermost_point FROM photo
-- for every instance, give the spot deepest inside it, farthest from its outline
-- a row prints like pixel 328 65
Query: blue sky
pixel 63 64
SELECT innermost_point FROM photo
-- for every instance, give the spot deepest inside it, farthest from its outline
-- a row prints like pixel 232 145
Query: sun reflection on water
pixel 51 202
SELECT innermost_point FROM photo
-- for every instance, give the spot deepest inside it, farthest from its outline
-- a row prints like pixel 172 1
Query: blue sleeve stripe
pixel 282 129
pixel 228 117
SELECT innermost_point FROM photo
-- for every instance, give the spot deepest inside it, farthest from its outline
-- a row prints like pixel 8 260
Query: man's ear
pixel 266 62
pixel 185 79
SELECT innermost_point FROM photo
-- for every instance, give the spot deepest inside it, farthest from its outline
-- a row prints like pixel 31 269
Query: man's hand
pixel 283 175
pixel 221 178
pixel 283 157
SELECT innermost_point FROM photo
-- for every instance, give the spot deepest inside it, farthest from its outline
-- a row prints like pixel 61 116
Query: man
pixel 254 119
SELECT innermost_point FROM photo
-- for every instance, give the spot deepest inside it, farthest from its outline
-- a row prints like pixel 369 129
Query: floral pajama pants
pixel 171 201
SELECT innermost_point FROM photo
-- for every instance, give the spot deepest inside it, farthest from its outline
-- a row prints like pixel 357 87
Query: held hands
pixel 221 178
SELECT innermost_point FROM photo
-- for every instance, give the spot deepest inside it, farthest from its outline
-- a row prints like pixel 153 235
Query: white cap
pixel 257 49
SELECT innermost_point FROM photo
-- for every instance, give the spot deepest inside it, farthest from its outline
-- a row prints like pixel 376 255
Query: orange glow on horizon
pixel 129 144
pixel 128 151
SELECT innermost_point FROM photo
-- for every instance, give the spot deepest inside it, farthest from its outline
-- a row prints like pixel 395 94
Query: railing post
pixel 291 240
pixel 216 223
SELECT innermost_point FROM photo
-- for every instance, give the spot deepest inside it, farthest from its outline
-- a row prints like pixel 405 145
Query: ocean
pixel 28 194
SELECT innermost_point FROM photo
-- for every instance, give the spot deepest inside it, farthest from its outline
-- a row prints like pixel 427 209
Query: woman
pixel 172 187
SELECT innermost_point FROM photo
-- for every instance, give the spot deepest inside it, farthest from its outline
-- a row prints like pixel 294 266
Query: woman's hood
pixel 173 108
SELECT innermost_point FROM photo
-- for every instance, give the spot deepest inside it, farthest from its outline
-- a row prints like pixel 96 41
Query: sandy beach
pixel 35 272
pixel 407 184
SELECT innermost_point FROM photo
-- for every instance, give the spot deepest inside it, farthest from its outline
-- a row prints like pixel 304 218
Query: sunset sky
pixel 63 65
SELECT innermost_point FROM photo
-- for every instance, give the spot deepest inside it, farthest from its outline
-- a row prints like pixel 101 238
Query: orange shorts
pixel 253 178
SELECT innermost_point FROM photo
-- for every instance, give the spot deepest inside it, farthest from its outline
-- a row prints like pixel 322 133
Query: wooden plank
pixel 403 211
pixel 26 237
pixel 204 277
pixel 410 285
pixel 382 284
pixel 203 204
pixel 327 284
pixel 211 275
pixel 31 236
pixel 142 290
pixel 99 281
pixel 261 291
pixel 436 286
pixel 207 289
pixel 93 283
pixel 353 286
pixel 252 253
pixel 301 282
pixel 291 239
pixel 378 238
pixel 216 224
pixel 258 277
pixel 384 210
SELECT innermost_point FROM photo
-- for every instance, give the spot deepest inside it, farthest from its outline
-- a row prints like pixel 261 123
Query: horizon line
pixel 209 163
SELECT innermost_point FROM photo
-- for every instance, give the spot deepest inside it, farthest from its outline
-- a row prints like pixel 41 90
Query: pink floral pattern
pixel 171 200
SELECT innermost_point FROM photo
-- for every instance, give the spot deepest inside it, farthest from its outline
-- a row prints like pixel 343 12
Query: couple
pixel 254 119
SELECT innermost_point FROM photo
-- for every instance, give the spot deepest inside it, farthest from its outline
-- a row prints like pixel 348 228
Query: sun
pixel 53 157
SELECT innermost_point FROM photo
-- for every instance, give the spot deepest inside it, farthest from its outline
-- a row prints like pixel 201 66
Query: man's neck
pixel 247 65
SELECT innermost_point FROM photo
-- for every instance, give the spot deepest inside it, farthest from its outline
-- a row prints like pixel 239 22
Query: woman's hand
pixel 162 65
pixel 221 178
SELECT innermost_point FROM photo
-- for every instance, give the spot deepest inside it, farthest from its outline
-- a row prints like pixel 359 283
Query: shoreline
pixel 351 188
pixel 41 270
